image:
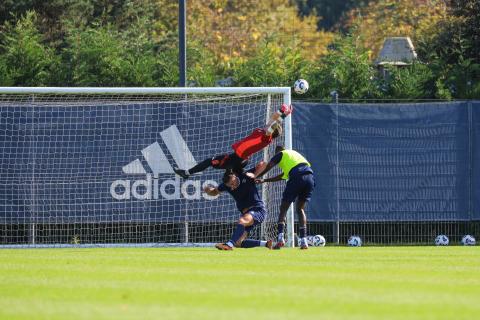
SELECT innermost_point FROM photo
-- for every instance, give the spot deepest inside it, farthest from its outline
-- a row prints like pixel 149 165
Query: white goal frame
pixel 285 91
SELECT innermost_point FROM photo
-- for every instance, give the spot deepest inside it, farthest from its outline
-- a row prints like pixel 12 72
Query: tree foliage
pixel 452 46
pixel 330 13
pixel 103 57
pixel 386 18
pixel 272 65
pixel 415 81
pixel 255 43
pixel 346 70
pixel 25 60
pixel 234 29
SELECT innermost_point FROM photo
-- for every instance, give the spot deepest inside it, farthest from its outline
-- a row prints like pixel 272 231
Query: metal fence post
pixel 336 231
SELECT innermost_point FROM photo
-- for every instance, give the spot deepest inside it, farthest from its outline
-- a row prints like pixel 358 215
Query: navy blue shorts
pixel 259 214
pixel 300 187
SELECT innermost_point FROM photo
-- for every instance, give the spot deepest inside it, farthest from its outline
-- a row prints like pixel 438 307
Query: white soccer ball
pixel 318 241
pixel 300 86
pixel 441 240
pixel 309 240
pixel 355 241
pixel 468 240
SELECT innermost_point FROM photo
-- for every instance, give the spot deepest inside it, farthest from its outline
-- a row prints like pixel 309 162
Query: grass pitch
pixel 320 283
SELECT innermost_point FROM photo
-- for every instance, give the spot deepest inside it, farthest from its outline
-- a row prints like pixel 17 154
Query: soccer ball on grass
pixel 354 241
pixel 441 240
pixel 318 241
pixel 468 240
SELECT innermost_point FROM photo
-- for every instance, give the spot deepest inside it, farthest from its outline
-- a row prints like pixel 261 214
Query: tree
pixel 103 56
pixel 415 81
pixel 222 35
pixel 24 59
pixel 386 18
pixel 345 69
pixel 468 12
pixel 233 30
pixel 331 13
pixel 271 65
pixel 452 46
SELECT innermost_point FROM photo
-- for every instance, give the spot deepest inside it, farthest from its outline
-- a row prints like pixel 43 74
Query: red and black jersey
pixel 255 142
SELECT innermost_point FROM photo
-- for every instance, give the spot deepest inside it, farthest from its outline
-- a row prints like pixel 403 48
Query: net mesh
pixel 91 169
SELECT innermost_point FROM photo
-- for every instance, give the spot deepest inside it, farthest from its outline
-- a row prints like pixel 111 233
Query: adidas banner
pixel 108 163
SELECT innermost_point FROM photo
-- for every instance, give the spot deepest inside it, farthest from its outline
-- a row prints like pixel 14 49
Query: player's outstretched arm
pixel 258 169
pixel 284 111
pixel 262 165
pixel 211 191
pixel 277 118
pixel 273 179
pixel 273 129
pixel 269 166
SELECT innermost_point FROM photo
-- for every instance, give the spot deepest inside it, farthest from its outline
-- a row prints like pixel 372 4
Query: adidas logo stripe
pixel 156 158
pixel 150 187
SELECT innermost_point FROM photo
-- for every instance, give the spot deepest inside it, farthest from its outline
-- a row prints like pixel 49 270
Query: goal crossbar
pixel 144 90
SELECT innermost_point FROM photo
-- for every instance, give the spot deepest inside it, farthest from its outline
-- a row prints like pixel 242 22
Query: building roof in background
pixel 397 51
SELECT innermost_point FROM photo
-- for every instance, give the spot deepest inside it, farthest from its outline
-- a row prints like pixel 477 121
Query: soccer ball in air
pixel 441 240
pixel 468 240
pixel 300 86
pixel 354 241
pixel 318 241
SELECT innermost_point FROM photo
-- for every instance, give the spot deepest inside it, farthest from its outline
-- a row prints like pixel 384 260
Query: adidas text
pixel 153 188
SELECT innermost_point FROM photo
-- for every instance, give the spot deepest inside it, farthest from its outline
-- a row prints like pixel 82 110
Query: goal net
pixel 94 166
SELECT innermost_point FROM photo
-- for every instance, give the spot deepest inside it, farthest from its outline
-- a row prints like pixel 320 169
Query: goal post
pixel 289 146
pixel 94 166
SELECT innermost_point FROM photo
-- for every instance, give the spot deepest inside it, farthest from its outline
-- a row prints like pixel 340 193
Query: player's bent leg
pixel 306 189
pixel 302 223
pixel 251 243
pixel 201 166
pixel 245 221
pixel 239 242
pixel 282 217
pixel 250 219
pixel 181 172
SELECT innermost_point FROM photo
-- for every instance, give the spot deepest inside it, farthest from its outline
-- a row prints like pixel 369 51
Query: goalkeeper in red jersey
pixel 243 149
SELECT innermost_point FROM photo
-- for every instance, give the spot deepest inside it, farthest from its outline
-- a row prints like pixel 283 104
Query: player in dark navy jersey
pixel 243 149
pixel 244 191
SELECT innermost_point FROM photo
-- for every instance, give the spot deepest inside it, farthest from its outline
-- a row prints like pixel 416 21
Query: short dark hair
pixel 279 148
pixel 227 174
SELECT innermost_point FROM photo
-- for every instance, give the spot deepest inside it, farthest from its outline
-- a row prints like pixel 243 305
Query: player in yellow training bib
pixel 300 184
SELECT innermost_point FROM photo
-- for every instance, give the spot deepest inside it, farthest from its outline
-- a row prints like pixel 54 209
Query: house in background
pixel 396 51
